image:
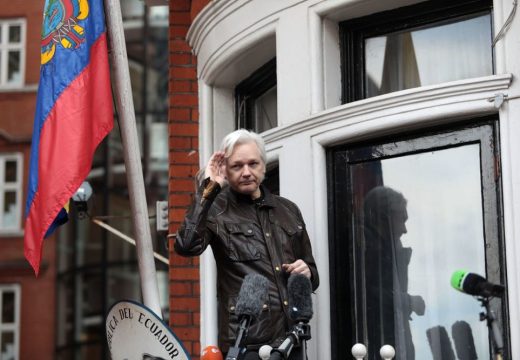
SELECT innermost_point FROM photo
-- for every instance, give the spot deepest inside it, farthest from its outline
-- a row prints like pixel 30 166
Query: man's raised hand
pixel 216 168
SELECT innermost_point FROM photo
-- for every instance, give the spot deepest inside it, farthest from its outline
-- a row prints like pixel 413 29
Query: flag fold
pixel 73 114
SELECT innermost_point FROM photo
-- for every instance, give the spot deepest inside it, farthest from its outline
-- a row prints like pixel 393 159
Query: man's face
pixel 398 223
pixel 245 169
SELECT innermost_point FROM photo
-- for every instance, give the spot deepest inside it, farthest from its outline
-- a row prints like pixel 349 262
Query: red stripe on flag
pixel 80 119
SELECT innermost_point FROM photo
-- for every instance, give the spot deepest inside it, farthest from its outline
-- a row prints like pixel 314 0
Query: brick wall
pixel 183 165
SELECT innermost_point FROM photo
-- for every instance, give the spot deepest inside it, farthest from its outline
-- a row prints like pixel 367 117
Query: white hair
pixel 243 136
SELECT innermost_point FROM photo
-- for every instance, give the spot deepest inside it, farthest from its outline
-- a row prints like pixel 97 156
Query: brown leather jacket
pixel 247 237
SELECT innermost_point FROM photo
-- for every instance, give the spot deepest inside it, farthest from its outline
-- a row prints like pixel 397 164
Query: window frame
pixel 15 326
pixel 5 47
pixel 346 322
pixel 354 32
pixel 16 186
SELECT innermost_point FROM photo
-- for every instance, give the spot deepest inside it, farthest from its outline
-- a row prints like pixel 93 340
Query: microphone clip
pixel 302 331
pixel 296 337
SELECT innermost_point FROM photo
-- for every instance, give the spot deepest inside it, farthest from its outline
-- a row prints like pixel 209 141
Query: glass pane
pixel 426 56
pixel 266 110
pixel 65 311
pixel 10 210
pixel 123 283
pixel 10 170
pixel 423 210
pixel 15 33
pixel 88 243
pixel 89 306
pixel 118 249
pixel 8 350
pixel 13 71
pixel 8 307
pixel 157 70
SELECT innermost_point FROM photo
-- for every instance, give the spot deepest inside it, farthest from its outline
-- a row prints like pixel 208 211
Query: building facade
pixel 359 101
pixel 27 303
pixel 85 269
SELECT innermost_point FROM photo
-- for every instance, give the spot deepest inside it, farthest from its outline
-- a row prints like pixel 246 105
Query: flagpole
pixel 134 172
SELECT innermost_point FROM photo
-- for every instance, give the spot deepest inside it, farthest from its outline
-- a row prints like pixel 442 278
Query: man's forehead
pixel 245 152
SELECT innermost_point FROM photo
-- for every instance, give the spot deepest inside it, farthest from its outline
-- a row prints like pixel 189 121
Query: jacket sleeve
pixel 307 256
pixel 194 236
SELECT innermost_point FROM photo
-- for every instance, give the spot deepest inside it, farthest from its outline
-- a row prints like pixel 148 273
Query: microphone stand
pixel 298 336
pixel 234 352
pixel 491 320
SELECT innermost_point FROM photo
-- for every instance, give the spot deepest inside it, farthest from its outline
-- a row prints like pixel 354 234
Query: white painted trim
pixel 320 245
pixel 510 168
pixel 233 48
pixel 316 57
pixel 208 269
pixel 28 88
pixel 458 99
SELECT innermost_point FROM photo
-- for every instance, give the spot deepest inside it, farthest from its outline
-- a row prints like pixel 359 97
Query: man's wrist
pixel 210 188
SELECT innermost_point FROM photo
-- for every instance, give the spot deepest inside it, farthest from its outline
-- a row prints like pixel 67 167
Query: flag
pixel 73 114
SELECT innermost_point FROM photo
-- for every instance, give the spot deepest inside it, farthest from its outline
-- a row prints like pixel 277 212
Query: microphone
pixel 251 299
pixel 474 284
pixel 299 289
pixel 463 338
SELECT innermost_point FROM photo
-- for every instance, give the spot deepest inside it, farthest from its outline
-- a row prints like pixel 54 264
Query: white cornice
pixel 225 29
pixel 209 16
pixel 456 99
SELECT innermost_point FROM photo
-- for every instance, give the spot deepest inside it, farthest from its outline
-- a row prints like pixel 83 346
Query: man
pixel 249 230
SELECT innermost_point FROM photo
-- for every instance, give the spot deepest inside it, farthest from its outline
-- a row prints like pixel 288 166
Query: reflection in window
pixel 428 207
pixel 424 44
pixel 418 213
pixel 12 52
pixel 426 56
pixel 9 322
pixel 256 99
pixel 10 192
pixel 15 33
pixel 265 111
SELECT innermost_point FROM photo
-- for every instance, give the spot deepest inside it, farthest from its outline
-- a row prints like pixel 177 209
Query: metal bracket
pixel 498 100
pixel 162 215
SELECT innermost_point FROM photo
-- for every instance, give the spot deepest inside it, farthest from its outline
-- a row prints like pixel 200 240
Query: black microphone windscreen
pixel 299 290
pixel 477 285
pixel 252 295
pixel 463 338
pixel 471 283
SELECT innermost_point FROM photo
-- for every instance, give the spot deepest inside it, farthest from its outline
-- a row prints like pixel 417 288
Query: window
pixel 9 322
pixel 408 213
pixel 425 44
pixel 12 52
pixel 10 192
pixel 256 99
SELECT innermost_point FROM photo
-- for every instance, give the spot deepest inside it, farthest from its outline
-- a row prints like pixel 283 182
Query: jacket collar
pixel 267 198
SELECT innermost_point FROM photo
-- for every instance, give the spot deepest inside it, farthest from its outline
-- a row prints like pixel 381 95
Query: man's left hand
pixel 297 267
